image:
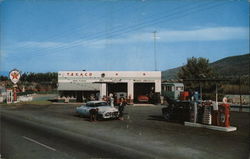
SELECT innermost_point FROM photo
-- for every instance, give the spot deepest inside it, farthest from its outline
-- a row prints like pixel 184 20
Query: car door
pixel 86 110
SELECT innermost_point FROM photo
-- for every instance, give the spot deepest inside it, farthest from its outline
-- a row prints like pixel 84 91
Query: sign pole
pixel 14 93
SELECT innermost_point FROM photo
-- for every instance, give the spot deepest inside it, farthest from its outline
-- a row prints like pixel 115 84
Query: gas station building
pixel 82 84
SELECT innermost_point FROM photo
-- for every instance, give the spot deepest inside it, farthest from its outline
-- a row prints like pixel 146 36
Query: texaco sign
pixel 15 76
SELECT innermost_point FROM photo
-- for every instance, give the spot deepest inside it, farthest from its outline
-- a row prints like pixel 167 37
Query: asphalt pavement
pixel 54 131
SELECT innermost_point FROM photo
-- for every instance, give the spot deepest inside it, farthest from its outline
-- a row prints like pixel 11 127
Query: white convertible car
pixel 105 111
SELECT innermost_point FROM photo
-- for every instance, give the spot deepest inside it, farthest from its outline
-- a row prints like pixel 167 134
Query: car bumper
pixel 109 115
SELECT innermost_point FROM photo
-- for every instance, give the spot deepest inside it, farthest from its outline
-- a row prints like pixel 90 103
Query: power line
pixel 99 22
pixel 139 26
pixel 120 29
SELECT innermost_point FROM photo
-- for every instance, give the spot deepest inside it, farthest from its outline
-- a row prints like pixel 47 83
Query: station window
pixel 179 88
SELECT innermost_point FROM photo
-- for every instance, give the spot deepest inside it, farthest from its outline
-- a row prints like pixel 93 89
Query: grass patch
pixel 36 102
pixel 20 104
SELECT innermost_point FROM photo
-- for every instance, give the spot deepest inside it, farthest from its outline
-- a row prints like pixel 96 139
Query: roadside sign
pixel 15 75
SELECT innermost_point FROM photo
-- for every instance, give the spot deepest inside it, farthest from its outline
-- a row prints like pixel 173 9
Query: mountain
pixel 229 66
pixel 233 65
pixel 170 73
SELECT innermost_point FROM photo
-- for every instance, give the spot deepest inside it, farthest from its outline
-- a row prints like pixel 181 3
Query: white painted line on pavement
pixel 32 140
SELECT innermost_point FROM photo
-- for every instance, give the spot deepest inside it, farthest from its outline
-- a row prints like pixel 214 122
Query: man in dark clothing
pixel 121 108
pixel 93 114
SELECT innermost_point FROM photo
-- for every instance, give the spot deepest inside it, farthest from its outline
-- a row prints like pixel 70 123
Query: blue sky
pixel 53 35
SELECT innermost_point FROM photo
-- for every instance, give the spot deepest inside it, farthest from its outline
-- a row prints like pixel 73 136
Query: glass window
pixel 101 104
pixel 90 104
pixel 179 88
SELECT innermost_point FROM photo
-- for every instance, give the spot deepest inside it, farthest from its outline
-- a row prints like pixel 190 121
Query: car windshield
pixel 91 104
pixel 101 104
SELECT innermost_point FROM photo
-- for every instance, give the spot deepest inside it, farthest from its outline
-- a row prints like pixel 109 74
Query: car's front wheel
pixel 166 116
pixel 166 113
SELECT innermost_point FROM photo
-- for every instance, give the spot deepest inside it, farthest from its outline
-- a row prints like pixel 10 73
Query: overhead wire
pixel 75 30
pixel 69 25
pixel 98 34
pixel 120 31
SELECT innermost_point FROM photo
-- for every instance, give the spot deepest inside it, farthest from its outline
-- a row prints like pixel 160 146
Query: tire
pixel 166 116
pixel 166 113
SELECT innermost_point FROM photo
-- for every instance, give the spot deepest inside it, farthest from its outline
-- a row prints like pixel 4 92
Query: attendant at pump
pixel 121 108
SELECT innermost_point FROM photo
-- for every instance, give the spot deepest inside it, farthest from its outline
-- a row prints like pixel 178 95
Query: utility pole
pixel 240 93
pixel 154 32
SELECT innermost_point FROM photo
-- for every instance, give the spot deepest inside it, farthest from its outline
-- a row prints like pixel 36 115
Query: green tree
pixel 196 68
pixel 3 78
pixel 196 74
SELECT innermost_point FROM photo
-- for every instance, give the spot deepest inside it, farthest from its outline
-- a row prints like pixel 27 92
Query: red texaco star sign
pixel 15 76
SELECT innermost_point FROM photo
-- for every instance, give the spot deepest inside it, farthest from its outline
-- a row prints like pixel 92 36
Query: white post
pixel 131 90
pixel 158 86
pixel 103 90
pixel 216 92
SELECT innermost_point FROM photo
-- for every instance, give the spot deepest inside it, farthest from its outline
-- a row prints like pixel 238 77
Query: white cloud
pixel 205 34
pixel 198 34
pixel 40 44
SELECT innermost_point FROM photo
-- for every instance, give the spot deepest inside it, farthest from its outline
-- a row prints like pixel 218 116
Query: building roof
pixel 173 84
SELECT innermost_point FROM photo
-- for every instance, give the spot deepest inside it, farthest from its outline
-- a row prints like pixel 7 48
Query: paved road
pixel 53 131
pixel 25 139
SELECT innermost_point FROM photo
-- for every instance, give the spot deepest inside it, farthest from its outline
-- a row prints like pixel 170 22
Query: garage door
pixel 116 87
pixel 143 89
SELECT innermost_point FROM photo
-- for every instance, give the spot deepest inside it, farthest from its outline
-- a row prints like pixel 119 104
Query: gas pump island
pixel 191 109
pixel 11 94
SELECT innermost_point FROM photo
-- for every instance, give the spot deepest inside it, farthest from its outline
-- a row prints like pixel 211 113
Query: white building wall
pixel 103 77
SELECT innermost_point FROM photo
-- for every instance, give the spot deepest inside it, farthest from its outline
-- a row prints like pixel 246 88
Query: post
pixel 155 50
pixel 14 93
pixel 130 89
pixel 240 93
pixel 200 91
pixel 216 93
pixel 103 90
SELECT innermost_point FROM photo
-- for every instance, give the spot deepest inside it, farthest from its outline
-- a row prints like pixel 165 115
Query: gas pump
pixel 224 115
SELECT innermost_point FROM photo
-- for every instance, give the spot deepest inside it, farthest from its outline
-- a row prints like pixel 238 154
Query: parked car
pixel 177 110
pixel 105 111
pixel 143 98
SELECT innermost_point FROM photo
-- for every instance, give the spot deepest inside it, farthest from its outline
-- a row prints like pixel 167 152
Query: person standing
pixel 121 108
pixel 111 101
pixel 93 114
